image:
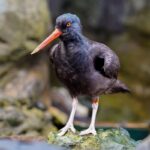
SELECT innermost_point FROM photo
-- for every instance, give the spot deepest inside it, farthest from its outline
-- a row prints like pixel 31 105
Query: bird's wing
pixel 53 51
pixel 106 61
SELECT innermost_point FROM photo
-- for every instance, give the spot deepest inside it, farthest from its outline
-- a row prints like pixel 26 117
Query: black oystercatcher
pixel 84 66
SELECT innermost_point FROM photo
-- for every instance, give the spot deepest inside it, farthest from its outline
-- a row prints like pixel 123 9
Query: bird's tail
pixel 119 87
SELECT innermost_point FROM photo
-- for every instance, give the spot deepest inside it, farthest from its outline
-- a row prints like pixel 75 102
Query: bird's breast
pixel 73 63
pixel 73 69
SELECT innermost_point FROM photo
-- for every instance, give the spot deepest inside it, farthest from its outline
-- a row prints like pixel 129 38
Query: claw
pixel 66 128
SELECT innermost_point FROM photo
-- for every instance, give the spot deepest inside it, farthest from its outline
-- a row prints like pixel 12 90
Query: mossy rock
pixel 110 139
pixel 22 25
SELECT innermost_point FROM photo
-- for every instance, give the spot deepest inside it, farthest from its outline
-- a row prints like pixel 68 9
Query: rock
pixel 18 145
pixel 12 116
pixel 24 78
pixel 22 25
pixel 144 145
pixel 28 121
pixel 114 139
pixel 26 91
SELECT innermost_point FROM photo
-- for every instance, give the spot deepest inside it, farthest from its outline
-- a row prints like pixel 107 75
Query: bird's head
pixel 68 23
pixel 66 27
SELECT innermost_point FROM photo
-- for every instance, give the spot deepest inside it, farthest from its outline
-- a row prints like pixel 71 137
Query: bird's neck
pixel 72 37
pixel 73 41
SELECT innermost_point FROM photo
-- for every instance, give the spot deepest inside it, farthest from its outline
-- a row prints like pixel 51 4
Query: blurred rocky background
pixel 24 79
pixel 31 97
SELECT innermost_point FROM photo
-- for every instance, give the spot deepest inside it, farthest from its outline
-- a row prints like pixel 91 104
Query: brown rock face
pixel 23 78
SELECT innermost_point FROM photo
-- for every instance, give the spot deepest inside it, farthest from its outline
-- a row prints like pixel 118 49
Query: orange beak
pixel 55 34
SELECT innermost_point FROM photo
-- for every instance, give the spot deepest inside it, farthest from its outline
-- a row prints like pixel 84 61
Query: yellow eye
pixel 68 24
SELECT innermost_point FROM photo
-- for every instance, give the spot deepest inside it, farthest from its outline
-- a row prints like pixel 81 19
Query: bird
pixel 84 66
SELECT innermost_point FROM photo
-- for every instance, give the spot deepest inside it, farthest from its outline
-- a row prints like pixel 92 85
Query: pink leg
pixel 91 128
pixel 69 124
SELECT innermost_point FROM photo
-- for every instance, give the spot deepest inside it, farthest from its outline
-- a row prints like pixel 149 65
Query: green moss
pixel 69 140
pixel 113 139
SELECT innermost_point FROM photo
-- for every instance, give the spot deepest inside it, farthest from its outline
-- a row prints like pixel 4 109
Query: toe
pixel 84 132
pixel 94 132
pixel 73 129
pixel 65 129
pixel 62 132
pixel 88 131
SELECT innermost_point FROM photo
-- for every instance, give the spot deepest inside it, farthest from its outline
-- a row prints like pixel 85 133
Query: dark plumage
pixel 84 66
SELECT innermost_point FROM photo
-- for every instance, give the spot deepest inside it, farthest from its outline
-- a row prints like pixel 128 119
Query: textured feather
pixel 118 87
pixel 86 67
pixel 52 52
pixel 106 61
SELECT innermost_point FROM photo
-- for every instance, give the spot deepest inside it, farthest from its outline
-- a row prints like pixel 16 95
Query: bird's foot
pixel 67 127
pixel 90 130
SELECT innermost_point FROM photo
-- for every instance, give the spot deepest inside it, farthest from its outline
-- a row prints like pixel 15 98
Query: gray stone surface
pixel 144 145
pixel 7 144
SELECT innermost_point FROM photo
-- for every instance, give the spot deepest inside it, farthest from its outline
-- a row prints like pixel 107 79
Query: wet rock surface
pixel 145 144
pixel 26 145
pixel 114 139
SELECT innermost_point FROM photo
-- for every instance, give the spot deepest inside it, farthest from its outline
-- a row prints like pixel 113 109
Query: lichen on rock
pixel 110 139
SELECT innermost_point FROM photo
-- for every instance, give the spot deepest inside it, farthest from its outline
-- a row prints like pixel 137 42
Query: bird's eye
pixel 68 24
